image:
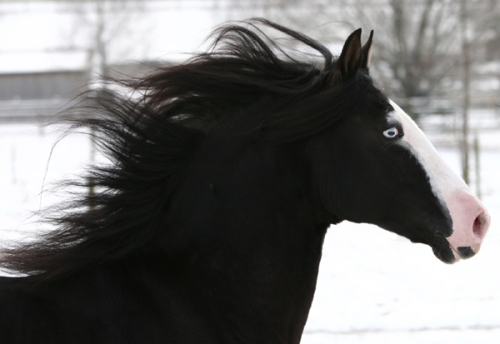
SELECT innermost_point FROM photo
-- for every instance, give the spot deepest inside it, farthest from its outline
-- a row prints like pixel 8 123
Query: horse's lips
pixel 448 259
pixel 443 250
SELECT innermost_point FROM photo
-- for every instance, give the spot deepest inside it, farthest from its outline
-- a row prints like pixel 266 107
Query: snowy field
pixel 374 287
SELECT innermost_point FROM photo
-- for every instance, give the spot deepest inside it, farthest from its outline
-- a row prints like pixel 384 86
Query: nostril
pixel 480 226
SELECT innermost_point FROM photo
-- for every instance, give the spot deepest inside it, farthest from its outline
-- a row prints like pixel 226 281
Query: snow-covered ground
pixel 374 287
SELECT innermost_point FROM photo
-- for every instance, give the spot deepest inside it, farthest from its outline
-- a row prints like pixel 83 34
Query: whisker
pixel 386 146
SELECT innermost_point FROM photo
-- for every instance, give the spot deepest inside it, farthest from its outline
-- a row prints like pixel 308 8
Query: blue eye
pixel 391 133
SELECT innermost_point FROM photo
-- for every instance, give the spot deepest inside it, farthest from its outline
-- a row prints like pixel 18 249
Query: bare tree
pixel 466 66
pixel 416 40
pixel 104 26
pixel 478 28
pixel 101 24
pixel 417 45
pixel 314 17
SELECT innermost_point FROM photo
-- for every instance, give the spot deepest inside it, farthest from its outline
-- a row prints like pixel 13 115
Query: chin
pixel 444 253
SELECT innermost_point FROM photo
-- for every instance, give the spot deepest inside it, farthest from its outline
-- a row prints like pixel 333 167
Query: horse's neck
pixel 251 247
pixel 258 294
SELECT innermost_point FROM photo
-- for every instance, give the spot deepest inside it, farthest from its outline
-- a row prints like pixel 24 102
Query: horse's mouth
pixel 444 254
pixel 448 254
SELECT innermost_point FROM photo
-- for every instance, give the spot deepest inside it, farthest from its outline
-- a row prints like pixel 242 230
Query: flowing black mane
pixel 151 136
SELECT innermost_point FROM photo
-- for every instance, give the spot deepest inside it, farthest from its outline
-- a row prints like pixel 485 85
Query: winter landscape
pixel 373 287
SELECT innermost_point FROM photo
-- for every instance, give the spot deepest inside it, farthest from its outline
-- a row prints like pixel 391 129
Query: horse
pixel 224 174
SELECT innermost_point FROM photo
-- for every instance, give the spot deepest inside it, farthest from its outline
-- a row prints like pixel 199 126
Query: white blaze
pixel 470 218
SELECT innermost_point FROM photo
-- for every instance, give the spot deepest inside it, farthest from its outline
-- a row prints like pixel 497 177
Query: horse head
pixel 385 171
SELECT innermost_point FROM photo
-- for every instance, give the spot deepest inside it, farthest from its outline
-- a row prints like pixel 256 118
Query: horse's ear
pixel 366 52
pixel 350 58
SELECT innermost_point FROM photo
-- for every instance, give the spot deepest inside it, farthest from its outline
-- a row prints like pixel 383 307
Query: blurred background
pixel 438 59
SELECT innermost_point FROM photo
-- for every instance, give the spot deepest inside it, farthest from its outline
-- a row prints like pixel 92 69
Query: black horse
pixel 226 171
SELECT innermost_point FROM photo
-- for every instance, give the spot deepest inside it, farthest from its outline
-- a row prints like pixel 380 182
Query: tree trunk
pixel 466 62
